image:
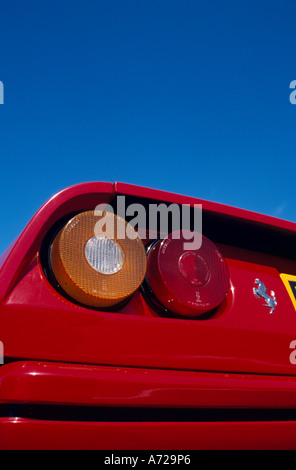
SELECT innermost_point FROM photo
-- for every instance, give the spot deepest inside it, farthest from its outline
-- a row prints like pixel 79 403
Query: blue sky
pixel 186 96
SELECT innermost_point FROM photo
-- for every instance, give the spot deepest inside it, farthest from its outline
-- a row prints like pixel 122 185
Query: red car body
pixel 80 378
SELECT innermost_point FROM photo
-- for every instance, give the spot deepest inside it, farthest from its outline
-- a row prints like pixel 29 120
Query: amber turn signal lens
pixel 98 267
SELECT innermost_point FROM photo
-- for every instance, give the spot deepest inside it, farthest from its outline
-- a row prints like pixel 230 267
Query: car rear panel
pixel 237 357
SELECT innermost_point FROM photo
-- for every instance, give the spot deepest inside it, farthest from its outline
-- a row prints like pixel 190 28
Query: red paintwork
pixel 18 433
pixel 214 207
pixel 73 384
pixel 201 362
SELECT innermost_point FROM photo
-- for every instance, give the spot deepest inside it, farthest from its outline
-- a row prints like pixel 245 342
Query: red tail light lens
pixel 187 282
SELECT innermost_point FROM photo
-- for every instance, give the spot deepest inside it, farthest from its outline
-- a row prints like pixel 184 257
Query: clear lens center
pixel 104 255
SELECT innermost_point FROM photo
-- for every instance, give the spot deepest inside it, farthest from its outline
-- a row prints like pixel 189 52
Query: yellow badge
pixel 290 284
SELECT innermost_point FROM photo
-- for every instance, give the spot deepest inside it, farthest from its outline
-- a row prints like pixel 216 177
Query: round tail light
pixel 187 282
pixel 98 269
